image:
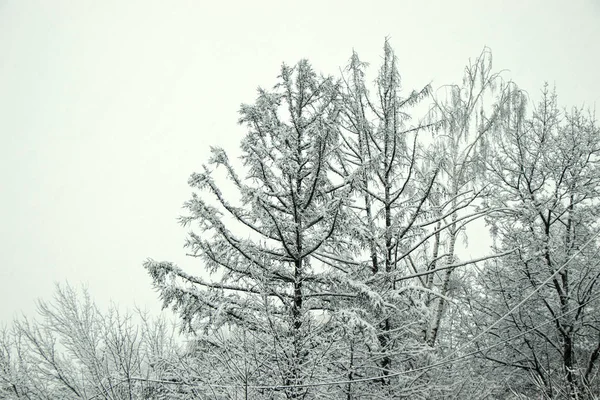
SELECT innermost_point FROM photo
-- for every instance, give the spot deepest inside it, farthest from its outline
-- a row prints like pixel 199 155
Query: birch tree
pixel 469 115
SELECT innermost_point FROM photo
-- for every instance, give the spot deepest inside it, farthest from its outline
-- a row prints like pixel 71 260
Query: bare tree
pixel 545 174
pixel 73 351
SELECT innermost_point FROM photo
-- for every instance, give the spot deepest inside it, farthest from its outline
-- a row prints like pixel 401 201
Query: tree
pixel 260 251
pixel 461 146
pixel 76 352
pixel 544 169
pixel 381 151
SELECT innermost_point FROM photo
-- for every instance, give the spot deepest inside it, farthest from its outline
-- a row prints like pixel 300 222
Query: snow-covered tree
pixel 545 172
pixel 381 151
pixel 460 147
pixel 73 351
pixel 259 241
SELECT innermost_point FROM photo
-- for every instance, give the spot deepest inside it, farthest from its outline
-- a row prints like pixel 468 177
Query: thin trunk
pixel 349 395
pixel 299 353
pixel 439 312
pixel 429 278
pixel 568 350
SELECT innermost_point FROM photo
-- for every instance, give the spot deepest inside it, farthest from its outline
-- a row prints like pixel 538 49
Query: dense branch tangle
pixel 545 169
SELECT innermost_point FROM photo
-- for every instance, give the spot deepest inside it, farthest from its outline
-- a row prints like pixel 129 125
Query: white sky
pixel 106 107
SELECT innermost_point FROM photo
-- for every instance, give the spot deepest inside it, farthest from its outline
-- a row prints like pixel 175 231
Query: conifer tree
pixel 382 148
pixel 259 247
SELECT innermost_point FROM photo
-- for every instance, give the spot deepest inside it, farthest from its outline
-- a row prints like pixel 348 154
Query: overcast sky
pixel 106 107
